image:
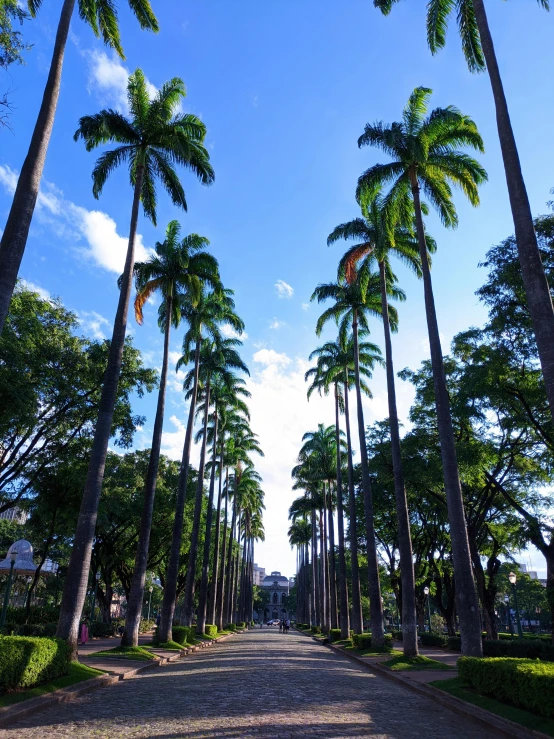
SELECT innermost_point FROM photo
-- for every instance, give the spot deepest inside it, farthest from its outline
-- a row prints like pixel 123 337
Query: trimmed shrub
pixel 180 634
pixel 397 635
pixel 433 640
pixel 522 648
pixel 525 683
pixel 454 643
pixel 211 630
pixel 241 625
pixel 26 661
pixel 334 634
pixel 37 615
pixel 315 629
pixel 363 641
pixel 146 625
pixel 230 627
pixel 99 628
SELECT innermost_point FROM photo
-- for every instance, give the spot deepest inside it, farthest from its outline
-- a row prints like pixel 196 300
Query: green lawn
pixel 457 688
pixel 170 646
pixel 77 673
pixel 137 653
pixel 373 652
pixel 415 663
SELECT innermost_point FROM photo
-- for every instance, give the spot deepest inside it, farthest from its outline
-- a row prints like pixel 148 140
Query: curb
pixel 480 716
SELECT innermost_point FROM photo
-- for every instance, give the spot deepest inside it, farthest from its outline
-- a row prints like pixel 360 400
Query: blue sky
pixel 285 89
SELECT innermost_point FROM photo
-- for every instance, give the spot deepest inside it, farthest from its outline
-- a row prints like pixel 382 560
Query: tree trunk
pixel 343 586
pixel 316 605
pixel 172 574
pixel 203 600
pixel 409 623
pixel 375 601
pixel 16 230
pixel 357 620
pixel 221 581
pixel 324 579
pixel 190 583
pixel 539 300
pixel 334 617
pixel 211 617
pixel 75 586
pixel 466 595
pixel 229 569
pixel 136 596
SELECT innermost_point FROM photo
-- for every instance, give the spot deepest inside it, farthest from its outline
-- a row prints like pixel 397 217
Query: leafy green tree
pixel 425 156
pixel 177 270
pixel 480 54
pixel 50 387
pixel 101 16
pixel 151 142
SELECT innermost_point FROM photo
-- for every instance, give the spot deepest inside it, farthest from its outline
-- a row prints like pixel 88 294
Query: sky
pixel 284 88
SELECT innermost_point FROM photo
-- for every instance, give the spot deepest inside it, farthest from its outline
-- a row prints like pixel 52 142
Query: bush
pixel 230 627
pixel 522 648
pixel 26 661
pixel 99 628
pixel 37 615
pixel 180 634
pixel 315 629
pixel 454 643
pixel 241 625
pixel 334 634
pixel 211 630
pixel 146 625
pixel 363 641
pixel 433 640
pixel 525 683
pixel 397 635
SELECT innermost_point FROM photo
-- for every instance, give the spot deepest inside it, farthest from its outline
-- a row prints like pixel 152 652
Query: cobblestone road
pixel 259 684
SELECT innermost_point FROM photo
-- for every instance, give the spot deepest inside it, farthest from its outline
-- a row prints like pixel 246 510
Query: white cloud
pixel 108 77
pixel 230 333
pixel 276 324
pixel 255 101
pixel 44 294
pixel 92 324
pixel 305 306
pixel 103 244
pixel 283 289
pixel 271 357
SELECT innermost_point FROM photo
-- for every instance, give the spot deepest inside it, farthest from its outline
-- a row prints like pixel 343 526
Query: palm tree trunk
pixel 308 593
pixel 316 607
pixel 466 594
pixel 334 616
pixel 136 596
pixel 16 230
pixel 75 586
pixel 190 583
pixel 407 577
pixel 203 600
pixel 375 602
pixel 343 586
pixel 539 300
pixel 170 586
pixel 326 568
pixel 235 591
pixel 322 568
pixel 357 620
pixel 229 573
pixel 221 568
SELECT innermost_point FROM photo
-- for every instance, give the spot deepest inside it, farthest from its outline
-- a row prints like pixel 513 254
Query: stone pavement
pixel 258 684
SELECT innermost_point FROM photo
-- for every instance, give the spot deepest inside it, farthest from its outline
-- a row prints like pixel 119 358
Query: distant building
pixel 259 574
pixel 278 586
pixel 532 573
pixel 14 514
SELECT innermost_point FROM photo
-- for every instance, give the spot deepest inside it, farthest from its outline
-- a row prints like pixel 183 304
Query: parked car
pixel 274 622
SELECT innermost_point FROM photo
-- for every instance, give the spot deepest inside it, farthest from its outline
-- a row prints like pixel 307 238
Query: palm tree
pixel 178 270
pixel 335 364
pixel 102 18
pixel 299 534
pixel 480 54
pixel 425 156
pixel 204 320
pixel 352 304
pixel 377 243
pixel 151 143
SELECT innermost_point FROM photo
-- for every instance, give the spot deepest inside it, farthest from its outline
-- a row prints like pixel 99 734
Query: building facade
pixel 259 574
pixel 277 586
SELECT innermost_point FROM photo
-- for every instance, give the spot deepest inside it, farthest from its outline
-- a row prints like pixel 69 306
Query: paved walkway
pixel 258 684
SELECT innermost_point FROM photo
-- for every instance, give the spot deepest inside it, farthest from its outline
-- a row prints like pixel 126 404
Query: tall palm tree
pixel 217 357
pixel 102 18
pixel 204 320
pixel 300 534
pixel 178 270
pixel 425 156
pixel 353 303
pixel 480 54
pixel 335 364
pixel 151 142
pixel 375 242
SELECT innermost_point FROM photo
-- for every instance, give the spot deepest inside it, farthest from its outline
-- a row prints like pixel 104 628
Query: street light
pixel 150 589
pixel 510 624
pixel 513 579
pixel 13 558
pixel 426 591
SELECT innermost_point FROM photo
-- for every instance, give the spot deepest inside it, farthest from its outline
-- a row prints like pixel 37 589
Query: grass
pixel 136 653
pixel 374 652
pixel 415 663
pixel 457 688
pixel 77 673
pixel 170 646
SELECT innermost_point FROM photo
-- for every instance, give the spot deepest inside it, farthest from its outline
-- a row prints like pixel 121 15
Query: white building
pixel 278 586
pixel 259 574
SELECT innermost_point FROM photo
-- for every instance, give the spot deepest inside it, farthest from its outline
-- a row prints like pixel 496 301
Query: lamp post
pixel 426 591
pixel 13 558
pixel 513 579
pixel 149 601
pixel 94 593
pixel 510 624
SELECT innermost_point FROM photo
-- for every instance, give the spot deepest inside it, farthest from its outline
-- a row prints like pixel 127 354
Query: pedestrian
pixel 261 623
pixel 158 619
pixel 280 626
pixel 83 631
pixel 287 625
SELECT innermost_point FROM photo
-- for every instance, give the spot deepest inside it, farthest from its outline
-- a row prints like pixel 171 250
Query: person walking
pixel 83 632
pixel 280 626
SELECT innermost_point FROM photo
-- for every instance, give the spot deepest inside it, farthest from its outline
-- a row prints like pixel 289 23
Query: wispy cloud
pixel 96 228
pixel 33 287
pixel 305 306
pixel 269 357
pixel 230 333
pixel 107 79
pixel 276 324
pixel 92 323
pixel 283 289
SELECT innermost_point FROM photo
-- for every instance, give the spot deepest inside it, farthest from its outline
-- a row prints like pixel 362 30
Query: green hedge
pixel 241 625
pixel 334 634
pixel 230 627
pixel 37 615
pixel 180 634
pixel 522 648
pixel 397 635
pixel 26 661
pixel 454 643
pixel 525 683
pixel 211 630
pixel 315 629
pixel 363 641
pixel 433 640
